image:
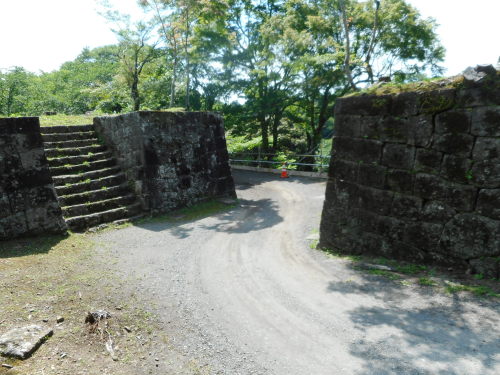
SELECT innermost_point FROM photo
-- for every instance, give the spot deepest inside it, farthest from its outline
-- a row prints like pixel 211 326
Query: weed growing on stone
pixel 425 281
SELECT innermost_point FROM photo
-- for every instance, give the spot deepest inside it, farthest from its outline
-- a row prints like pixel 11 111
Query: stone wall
pixel 416 175
pixel 173 159
pixel 28 202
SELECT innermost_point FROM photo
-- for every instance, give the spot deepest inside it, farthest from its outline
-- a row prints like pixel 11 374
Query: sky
pixel 40 35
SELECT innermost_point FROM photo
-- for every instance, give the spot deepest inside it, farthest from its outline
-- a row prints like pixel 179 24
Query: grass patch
pixel 387 274
pixel 336 254
pixel 69 120
pixel 195 212
pixel 425 281
pixel 313 244
pixel 410 274
pixel 478 290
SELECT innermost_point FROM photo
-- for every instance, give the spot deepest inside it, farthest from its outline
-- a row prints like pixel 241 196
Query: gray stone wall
pixel 28 202
pixel 416 175
pixel 172 159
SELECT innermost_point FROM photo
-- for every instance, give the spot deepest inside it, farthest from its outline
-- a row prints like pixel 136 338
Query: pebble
pixel 60 319
pixel 7 365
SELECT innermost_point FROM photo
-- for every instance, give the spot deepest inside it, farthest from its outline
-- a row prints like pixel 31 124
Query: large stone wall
pixel 28 202
pixel 173 159
pixel 416 175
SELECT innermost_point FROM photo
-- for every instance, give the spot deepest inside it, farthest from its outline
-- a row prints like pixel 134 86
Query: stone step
pixel 106 192
pixel 89 208
pixel 90 185
pixel 92 175
pixel 75 160
pixel 92 220
pixel 72 144
pixel 82 168
pixel 58 137
pixel 73 151
pixel 66 129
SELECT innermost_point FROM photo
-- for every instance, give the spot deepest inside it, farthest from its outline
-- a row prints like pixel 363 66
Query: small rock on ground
pixel 22 342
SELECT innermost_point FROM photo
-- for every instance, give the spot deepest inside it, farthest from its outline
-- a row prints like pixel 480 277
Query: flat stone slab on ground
pixel 22 342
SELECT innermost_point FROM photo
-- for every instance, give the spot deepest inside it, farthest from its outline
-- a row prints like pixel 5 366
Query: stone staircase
pixel 91 188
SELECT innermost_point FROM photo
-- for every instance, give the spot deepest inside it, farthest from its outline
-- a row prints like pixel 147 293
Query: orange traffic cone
pixel 284 173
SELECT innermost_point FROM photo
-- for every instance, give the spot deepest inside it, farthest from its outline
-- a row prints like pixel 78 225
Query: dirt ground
pixel 241 290
pixel 44 278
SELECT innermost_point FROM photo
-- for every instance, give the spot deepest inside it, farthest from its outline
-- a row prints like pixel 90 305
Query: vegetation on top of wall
pixel 392 88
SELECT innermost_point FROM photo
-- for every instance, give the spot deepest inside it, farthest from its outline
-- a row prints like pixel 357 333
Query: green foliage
pixel 273 68
pixel 236 144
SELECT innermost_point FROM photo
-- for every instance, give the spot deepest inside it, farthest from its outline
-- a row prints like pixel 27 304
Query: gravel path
pixel 242 293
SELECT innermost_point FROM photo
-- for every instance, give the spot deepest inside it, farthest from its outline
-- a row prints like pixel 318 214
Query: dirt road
pixel 243 293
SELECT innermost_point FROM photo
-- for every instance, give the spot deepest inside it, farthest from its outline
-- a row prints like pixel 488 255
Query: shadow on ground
pixel 248 216
pixel 251 216
pixel 29 245
pixel 246 179
pixel 431 339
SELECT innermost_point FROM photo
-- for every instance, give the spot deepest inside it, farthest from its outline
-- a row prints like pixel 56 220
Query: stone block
pixel 486 173
pixel 372 175
pixel 430 187
pixel 489 267
pixel 454 121
pixel 344 170
pixel 346 194
pixel 454 143
pixel 461 197
pixel 486 148
pixel 488 203
pixel 347 126
pixel 432 102
pixel 394 129
pixel 485 121
pixel 375 200
pixel 437 212
pixel 408 251
pixel 358 150
pixel 364 105
pixel 428 161
pixel 423 235
pixel 400 180
pixel 19 125
pixel 420 130
pixel 457 169
pixel 406 207
pixel 479 95
pixel 469 236
pixel 405 104
pixel 22 342
pixel 398 156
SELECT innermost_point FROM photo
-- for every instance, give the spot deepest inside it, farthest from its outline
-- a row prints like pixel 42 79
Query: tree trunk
pixel 134 93
pixel 188 67
pixel 172 85
pixel 347 60
pixel 264 130
pixel 276 122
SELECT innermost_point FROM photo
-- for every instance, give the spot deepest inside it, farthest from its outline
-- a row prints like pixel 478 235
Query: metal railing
pixel 256 159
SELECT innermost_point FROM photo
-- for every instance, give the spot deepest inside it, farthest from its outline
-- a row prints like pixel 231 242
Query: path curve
pixel 242 293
